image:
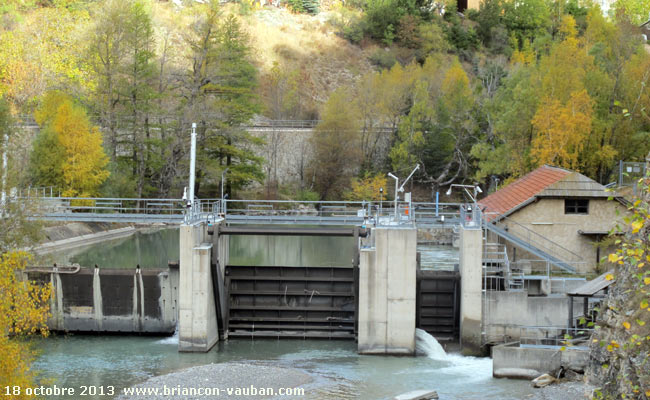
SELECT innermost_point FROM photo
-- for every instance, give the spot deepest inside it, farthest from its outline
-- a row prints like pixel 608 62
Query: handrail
pixel 531 233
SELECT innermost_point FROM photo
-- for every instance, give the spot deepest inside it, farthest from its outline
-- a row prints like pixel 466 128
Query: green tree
pixel 638 11
pixel 137 88
pixel 106 53
pixel 221 95
pixel 526 19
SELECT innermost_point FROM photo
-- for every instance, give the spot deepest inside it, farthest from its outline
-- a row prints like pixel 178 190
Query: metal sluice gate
pixel 291 302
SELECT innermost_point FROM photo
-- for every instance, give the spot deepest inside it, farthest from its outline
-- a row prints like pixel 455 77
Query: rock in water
pixel 543 380
pixel 418 395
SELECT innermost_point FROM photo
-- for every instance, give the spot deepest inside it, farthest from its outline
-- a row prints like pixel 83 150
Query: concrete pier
pixel 387 282
pixel 471 294
pixel 197 327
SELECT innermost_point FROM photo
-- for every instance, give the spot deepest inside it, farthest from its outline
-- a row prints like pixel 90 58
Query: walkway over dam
pixel 175 211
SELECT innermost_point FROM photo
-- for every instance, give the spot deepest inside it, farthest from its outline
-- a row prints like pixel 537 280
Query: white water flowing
pixel 428 345
pixel 170 340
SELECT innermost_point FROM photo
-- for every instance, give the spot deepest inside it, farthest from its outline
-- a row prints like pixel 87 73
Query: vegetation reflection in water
pixel 154 249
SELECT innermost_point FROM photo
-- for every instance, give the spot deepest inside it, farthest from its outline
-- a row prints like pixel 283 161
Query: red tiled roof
pixel 523 189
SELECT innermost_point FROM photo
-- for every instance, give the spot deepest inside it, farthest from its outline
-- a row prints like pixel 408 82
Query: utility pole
pixel 223 201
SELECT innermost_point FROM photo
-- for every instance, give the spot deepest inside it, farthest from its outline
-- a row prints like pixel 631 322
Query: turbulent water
pixel 427 345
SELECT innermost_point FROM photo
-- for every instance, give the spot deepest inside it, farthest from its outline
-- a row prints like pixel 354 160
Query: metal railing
pixel 237 211
pixel 285 123
pixel 470 216
pixel 40 191
pixel 532 268
pixel 536 240
pixel 554 337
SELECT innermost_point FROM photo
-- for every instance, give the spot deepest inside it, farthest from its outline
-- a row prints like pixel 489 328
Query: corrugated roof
pixel 593 286
pixel 521 191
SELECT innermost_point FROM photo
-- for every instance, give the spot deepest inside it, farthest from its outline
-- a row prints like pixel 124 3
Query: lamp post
pixel 192 165
pixel 476 190
pixel 381 198
pixel 223 178
pixel 396 185
pixel 401 188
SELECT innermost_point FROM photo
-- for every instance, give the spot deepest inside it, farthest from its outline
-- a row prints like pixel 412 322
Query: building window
pixel 576 206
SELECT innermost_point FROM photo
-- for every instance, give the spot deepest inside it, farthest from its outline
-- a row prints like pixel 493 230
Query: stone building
pixel 562 212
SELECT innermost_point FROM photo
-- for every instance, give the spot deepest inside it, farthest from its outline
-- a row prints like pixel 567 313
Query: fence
pixel 629 172
pixel 554 337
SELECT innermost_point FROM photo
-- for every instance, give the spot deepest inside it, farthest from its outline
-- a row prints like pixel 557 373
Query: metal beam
pixel 290 231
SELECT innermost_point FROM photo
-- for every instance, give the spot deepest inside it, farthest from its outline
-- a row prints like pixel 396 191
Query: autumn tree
pixel 621 341
pixel 335 146
pixel 23 312
pixel 368 188
pixel 438 129
pixel 65 126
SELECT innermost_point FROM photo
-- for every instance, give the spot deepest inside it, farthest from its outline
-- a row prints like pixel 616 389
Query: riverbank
pixel 228 380
pixel 567 390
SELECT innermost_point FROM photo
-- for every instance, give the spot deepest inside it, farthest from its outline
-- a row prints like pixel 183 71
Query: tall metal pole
pixel 192 164
pixel 396 189
pixel 223 177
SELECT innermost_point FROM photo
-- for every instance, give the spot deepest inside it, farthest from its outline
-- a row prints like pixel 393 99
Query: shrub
pixel 408 31
pixel 383 58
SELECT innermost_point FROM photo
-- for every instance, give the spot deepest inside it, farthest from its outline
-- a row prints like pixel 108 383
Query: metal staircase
pixel 497 265
pixel 535 244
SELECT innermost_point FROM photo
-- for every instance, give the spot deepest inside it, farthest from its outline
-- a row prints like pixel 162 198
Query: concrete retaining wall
pixel 511 361
pixel 506 312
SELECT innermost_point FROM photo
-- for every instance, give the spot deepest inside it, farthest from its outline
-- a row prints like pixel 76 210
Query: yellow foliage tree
pixel 44 50
pixel 367 188
pixel 23 312
pixel 84 164
pixel 561 130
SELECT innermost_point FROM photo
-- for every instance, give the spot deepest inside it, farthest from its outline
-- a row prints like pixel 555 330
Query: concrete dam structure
pixel 111 300
pixel 377 298
pixel 373 299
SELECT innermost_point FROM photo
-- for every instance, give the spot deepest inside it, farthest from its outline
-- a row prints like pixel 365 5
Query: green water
pixel 149 249
pixel 153 249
